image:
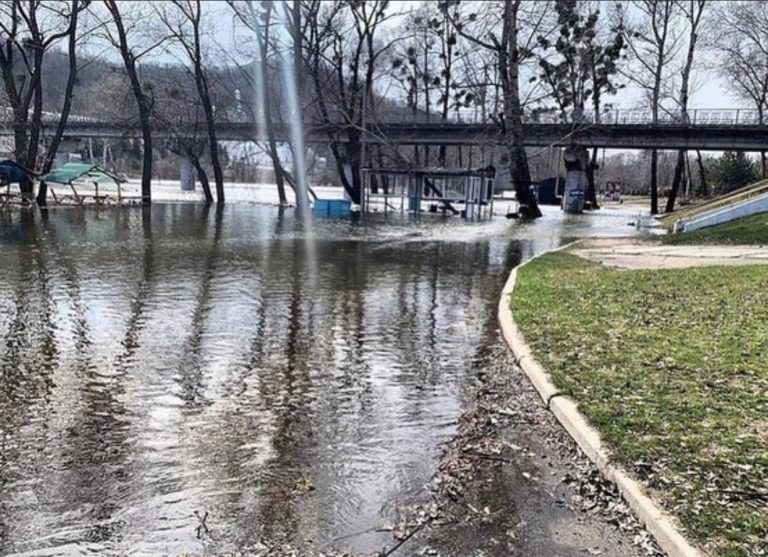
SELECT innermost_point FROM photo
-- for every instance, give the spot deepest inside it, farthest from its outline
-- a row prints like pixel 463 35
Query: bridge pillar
pixel 186 174
pixel 575 191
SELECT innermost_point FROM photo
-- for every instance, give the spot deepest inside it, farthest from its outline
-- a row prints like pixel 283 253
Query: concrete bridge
pixel 715 130
pixel 697 129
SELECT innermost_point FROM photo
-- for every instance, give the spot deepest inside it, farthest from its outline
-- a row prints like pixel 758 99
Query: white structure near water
pixel 720 215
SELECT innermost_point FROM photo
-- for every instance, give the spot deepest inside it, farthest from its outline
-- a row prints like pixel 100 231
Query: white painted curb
pixel 657 522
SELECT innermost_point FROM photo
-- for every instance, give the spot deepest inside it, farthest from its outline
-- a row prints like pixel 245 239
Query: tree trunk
pixel 203 177
pixel 146 159
pixel 513 114
pixel 37 113
pixel 676 181
pixel 354 152
pixel 210 124
pixel 345 182
pixel 277 166
pixel 42 192
pixel 591 187
pixel 262 69
pixel 654 183
pixel 142 102
pixel 213 144
pixel 704 190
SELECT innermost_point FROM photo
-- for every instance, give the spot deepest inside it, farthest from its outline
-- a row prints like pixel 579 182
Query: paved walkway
pixel 636 254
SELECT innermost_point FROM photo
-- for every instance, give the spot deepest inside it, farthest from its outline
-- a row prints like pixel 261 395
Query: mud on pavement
pixel 513 483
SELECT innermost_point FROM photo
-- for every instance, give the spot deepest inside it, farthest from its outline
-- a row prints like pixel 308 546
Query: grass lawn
pixel 672 367
pixel 749 230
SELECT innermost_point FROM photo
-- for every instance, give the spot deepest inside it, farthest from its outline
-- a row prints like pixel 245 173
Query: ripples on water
pixel 157 363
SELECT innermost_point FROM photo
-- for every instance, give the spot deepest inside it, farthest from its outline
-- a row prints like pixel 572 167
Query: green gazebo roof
pixel 73 171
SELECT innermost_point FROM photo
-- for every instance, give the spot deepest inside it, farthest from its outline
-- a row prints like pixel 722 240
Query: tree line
pixel 362 63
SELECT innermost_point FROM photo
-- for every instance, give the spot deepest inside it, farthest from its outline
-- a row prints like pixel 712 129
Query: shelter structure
pixel 458 191
pixel 12 172
pixel 82 175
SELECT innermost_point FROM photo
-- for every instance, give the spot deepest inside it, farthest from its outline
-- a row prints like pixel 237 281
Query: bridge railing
pixel 622 116
pixel 628 116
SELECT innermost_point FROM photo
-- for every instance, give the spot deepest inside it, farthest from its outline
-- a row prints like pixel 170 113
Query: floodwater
pixel 157 365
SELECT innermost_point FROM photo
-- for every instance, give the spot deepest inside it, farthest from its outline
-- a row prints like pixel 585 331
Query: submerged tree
pixel 72 38
pixel 520 23
pixel 181 114
pixel 125 30
pixel 580 66
pixel 342 50
pixel 182 21
pixel 29 30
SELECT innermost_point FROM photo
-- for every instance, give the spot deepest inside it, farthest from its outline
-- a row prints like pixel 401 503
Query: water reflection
pixel 158 362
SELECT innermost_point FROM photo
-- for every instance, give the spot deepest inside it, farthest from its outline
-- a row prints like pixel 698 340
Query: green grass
pixel 749 230
pixel 672 367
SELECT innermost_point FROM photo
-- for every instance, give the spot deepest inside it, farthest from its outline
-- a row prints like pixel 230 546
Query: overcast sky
pixel 710 93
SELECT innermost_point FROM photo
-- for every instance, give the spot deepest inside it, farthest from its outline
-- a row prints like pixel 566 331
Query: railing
pixel 625 116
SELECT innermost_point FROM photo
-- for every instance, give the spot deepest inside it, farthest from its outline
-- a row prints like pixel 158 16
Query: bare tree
pixel 653 41
pixel 76 7
pixel 182 20
pixel 412 66
pixel 180 112
pixel 740 43
pixel 29 29
pixel 694 11
pixel 124 31
pixel 342 49
pixel 521 23
pixel 583 67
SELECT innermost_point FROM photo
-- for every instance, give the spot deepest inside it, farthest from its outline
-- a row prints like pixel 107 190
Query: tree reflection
pixel 191 371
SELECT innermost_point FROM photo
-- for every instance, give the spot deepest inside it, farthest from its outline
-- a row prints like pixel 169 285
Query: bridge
pixel 714 130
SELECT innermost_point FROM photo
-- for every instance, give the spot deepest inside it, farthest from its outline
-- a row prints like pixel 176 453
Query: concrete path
pixel 526 489
pixel 636 254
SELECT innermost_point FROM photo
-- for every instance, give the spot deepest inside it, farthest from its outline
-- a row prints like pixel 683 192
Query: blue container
pixel 414 204
pixel 332 207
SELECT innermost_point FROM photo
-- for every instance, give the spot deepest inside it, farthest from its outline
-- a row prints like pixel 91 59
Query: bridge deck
pixel 708 136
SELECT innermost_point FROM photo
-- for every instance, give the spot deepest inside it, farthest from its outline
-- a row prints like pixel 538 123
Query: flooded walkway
pixel 159 365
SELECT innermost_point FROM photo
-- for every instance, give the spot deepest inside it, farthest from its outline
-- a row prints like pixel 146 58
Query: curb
pixel 656 521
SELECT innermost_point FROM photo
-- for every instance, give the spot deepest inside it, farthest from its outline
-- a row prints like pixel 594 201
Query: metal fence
pixel 624 116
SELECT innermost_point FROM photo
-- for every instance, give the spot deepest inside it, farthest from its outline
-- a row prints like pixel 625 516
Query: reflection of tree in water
pixel 331 364
pixel 190 368
pixel 80 452
pixel 283 391
pixel 136 313
pixel 29 355
pixel 98 446
pixel 489 334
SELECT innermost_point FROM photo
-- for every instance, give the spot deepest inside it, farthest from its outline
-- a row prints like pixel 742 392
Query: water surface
pixel 159 363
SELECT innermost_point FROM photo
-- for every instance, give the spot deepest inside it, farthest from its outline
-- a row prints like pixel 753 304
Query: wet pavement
pixel 157 365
